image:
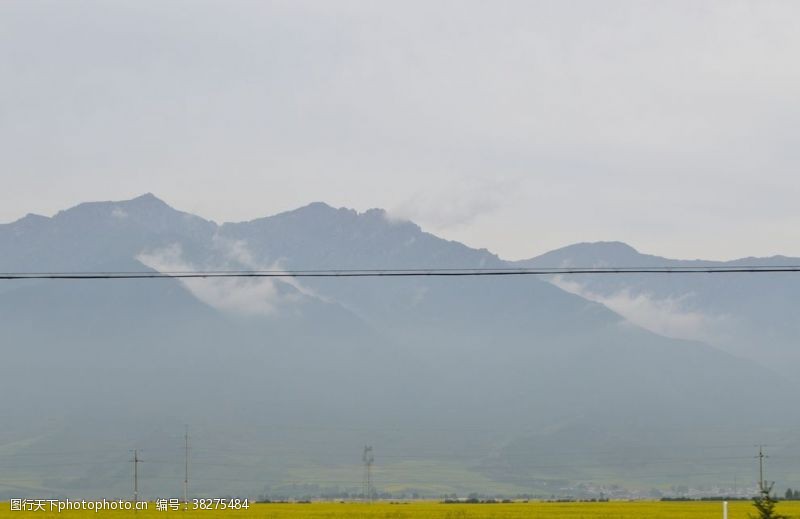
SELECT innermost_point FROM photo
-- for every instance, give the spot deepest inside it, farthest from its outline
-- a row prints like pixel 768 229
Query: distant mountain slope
pixel 467 366
pixel 96 233
pixel 319 236
pixel 750 315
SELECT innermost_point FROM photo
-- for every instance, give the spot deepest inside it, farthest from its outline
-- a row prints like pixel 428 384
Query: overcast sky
pixel 516 126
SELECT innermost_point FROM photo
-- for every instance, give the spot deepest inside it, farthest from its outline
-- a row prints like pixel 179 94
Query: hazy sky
pixel 516 126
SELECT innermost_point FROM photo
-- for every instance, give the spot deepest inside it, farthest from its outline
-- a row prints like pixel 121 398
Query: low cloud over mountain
pixel 748 315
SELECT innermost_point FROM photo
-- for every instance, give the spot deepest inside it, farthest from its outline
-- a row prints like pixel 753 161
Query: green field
pixel 434 510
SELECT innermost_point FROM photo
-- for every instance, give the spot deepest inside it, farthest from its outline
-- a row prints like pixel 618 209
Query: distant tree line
pixel 792 495
pixel 705 498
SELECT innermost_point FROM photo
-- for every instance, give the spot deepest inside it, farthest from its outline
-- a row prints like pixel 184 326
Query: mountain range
pixel 751 315
pixel 500 384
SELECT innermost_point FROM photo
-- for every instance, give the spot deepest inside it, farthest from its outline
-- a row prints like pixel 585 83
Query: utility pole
pixel 368 460
pixel 761 457
pixel 136 462
pixel 186 469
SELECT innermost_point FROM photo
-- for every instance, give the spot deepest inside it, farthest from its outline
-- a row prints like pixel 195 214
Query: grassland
pixel 433 510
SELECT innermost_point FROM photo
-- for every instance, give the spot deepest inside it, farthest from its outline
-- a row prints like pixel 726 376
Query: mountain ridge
pixel 343 361
pixel 748 315
pixel 150 201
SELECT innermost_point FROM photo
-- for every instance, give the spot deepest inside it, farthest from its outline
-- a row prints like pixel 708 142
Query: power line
pixel 635 462
pixel 434 272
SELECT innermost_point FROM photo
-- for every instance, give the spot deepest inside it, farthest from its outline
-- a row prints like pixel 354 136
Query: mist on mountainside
pixel 517 384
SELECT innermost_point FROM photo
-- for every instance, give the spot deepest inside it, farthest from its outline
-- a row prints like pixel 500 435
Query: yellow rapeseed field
pixel 434 510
